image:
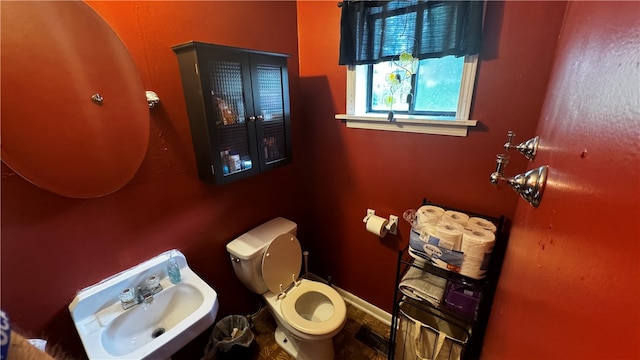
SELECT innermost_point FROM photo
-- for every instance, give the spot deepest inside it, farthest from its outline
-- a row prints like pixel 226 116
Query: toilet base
pixel 304 350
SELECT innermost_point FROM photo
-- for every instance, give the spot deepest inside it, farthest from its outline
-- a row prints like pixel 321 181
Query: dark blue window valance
pixel 375 31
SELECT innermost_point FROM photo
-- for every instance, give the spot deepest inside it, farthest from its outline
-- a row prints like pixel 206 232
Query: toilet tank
pixel 246 251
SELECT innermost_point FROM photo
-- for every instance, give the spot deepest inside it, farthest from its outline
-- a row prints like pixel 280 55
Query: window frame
pixel 357 116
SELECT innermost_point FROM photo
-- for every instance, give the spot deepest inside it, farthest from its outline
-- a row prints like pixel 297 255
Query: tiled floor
pixel 347 347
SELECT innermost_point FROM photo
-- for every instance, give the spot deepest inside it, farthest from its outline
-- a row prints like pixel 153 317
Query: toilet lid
pixel 280 261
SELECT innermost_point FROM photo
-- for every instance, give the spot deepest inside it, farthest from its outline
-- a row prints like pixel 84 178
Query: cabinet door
pixel 271 104
pixel 238 106
pixel 228 100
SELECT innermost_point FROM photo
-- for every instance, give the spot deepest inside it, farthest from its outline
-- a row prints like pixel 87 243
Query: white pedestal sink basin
pixel 155 330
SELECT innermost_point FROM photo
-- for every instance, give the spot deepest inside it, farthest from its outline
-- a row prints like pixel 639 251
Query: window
pixel 439 97
pixel 389 89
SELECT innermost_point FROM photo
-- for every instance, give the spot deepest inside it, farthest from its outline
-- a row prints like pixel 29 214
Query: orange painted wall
pixel 569 287
pixel 53 246
pixel 351 170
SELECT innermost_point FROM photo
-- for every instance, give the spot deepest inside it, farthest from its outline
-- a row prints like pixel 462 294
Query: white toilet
pixel 308 313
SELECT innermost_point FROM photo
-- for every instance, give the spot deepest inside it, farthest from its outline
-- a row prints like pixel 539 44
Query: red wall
pixel 351 170
pixel 58 245
pixel 53 246
pixel 569 286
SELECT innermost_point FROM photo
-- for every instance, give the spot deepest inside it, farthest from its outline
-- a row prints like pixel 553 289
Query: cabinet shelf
pixel 470 327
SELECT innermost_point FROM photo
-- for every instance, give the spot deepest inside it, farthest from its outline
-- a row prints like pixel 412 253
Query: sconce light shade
pixel 529 148
pixel 530 185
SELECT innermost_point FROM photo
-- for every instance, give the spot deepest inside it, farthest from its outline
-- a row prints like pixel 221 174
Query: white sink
pixel 178 313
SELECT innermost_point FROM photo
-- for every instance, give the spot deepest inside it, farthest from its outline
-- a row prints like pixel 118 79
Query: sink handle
pixel 128 298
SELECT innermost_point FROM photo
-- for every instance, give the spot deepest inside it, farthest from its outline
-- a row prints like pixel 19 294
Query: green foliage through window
pixel 425 87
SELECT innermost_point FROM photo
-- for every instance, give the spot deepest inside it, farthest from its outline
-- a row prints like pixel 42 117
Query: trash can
pixel 231 339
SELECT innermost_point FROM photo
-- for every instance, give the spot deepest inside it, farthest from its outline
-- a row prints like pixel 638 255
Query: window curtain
pixel 375 31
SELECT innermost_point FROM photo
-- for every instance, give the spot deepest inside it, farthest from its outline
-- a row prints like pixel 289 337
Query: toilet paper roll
pixel 376 225
pixel 428 229
pixel 474 274
pixel 475 236
pixel 450 235
pixel 460 218
pixel 424 226
pixel 481 223
pixel 477 246
pixel 477 242
pixel 419 237
pixel 429 214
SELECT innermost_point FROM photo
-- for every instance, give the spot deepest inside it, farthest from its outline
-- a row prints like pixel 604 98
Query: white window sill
pixel 408 123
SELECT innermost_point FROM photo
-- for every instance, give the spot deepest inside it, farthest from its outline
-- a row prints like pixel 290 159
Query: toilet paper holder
pixel 392 224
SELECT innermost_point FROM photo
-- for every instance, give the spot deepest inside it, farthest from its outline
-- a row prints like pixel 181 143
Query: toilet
pixel 308 313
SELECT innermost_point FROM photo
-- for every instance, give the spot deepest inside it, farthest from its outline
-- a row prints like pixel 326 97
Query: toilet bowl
pixel 308 318
pixel 308 313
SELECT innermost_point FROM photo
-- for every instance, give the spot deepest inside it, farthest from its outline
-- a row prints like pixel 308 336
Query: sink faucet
pixel 145 295
pixel 131 297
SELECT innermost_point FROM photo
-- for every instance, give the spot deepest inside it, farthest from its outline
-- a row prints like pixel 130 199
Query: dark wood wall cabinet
pixel 238 106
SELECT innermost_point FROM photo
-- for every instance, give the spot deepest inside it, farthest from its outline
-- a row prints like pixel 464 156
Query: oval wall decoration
pixel 75 119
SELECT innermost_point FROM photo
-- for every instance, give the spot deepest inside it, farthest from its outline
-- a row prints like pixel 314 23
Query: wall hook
pixel 152 99
pixel 97 99
pixel 528 148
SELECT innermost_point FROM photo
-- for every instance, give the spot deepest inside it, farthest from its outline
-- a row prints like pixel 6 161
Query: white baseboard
pixel 368 308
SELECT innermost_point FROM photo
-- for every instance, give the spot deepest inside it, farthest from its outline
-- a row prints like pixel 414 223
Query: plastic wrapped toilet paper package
pixel 451 240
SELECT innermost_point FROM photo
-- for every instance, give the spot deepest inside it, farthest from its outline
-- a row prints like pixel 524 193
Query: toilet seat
pixel 281 262
pixel 291 315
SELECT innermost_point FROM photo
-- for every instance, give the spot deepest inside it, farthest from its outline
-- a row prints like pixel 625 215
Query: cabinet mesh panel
pixel 227 97
pixel 271 103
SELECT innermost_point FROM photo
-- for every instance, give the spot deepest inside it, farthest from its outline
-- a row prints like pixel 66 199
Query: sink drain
pixel 157 332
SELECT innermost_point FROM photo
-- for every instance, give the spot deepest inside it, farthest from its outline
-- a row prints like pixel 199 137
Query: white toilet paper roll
pixel 481 223
pixel 474 235
pixel 460 218
pixel 477 246
pixel 450 235
pixel 426 230
pixel 448 221
pixel 476 243
pixel 429 214
pixel 474 274
pixel 376 225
